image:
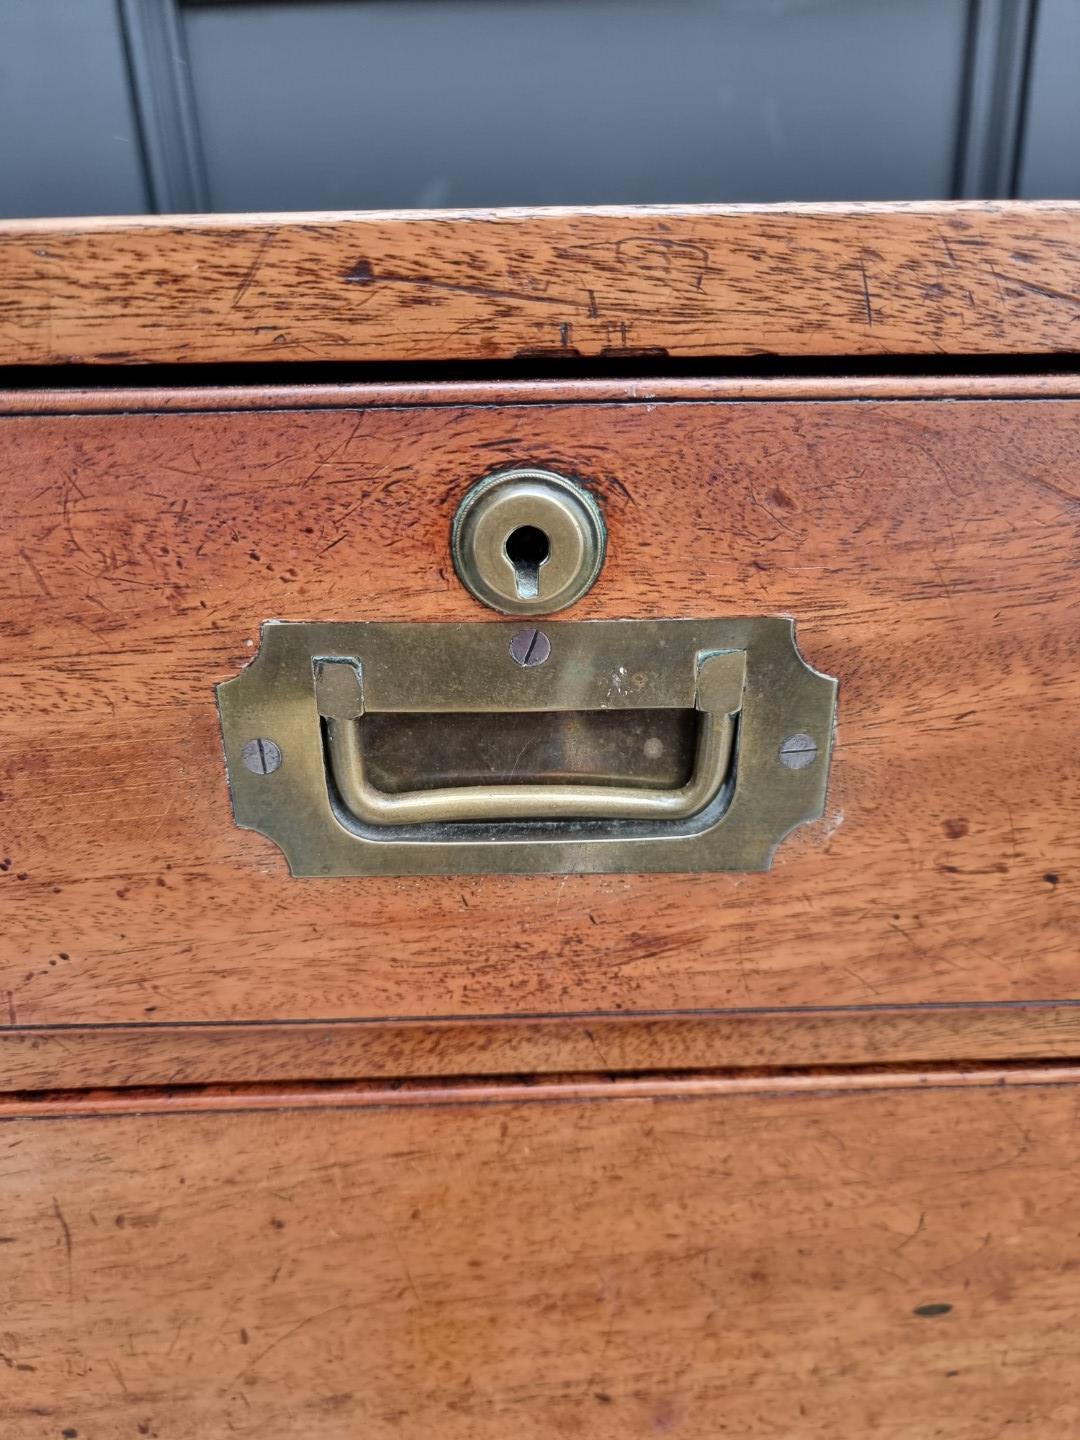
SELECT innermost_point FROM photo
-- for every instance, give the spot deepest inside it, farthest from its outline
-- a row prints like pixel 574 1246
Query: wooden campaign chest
pixel 757 1118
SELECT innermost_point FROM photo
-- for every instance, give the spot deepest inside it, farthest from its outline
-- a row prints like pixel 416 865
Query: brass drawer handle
pixel 339 689
pixel 384 748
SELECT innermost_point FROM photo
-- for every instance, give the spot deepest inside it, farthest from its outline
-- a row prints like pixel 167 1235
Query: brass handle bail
pixel 340 698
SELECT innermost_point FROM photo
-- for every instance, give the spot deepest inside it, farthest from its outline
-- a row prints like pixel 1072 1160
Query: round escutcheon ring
pixel 528 542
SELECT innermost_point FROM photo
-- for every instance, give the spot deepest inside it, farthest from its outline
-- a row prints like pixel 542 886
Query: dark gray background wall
pixel 125 106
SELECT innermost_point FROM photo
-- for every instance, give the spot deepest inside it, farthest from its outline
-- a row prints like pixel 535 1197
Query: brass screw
pixel 262 756
pixel 798 751
pixel 530 647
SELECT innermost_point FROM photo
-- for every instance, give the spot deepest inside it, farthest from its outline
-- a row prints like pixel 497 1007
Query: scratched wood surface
pixel 101 400
pixel 892 1263
pixel 691 281
pixel 927 549
pixel 736 1042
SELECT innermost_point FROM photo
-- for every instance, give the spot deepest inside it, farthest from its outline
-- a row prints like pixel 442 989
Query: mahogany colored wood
pixel 927 549
pixel 102 401
pixel 618 1156
pixel 176 1054
pixel 322 1095
pixel 889 1262
pixel 913 279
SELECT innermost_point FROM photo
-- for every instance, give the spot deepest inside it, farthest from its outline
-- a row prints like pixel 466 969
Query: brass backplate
pixel 280 774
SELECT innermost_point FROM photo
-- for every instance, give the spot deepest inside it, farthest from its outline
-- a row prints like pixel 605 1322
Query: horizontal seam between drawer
pixel 179 1100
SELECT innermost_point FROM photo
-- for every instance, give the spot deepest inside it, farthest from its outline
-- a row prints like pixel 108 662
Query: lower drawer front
pixel 927 550
pixel 698 1260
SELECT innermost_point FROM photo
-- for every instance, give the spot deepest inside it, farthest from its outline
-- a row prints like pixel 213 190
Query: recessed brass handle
pixel 456 748
pixel 718 699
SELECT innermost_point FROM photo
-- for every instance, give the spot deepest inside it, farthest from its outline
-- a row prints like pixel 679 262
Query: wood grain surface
pixel 105 400
pixel 737 1042
pixel 888 1263
pixel 912 279
pixel 927 549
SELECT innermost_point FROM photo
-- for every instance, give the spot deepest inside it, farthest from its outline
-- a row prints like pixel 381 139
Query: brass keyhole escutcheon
pixel 528 542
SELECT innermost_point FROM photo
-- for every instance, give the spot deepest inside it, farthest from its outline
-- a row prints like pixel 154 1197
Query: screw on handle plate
pixel 530 647
pixel 261 756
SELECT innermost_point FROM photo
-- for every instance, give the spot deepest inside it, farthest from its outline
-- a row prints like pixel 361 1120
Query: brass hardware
pixel 719 696
pixel 528 542
pixel 652 748
pixel 332 700
pixel 530 647
pixel 262 757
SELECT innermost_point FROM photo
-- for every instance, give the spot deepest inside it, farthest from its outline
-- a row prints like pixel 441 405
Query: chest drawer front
pixel 926 549
pixel 879 1262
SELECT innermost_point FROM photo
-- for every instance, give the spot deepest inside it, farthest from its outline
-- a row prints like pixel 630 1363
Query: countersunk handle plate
pixel 765 721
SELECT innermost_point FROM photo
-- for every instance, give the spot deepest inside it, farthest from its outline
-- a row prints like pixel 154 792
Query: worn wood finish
pixel 138 1055
pixel 927 550
pixel 698 281
pixel 1055 385
pixel 753 1264
pixel 325 1095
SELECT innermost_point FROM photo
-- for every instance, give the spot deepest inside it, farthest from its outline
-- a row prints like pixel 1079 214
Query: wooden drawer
pixel 895 1261
pixel 925 546
pixel 762 1154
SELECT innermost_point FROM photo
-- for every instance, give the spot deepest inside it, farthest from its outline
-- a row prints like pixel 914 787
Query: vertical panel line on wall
pixel 994 98
pixel 1028 65
pixel 160 81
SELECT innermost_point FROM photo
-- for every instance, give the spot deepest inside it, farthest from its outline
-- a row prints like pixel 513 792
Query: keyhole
pixel 527 548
